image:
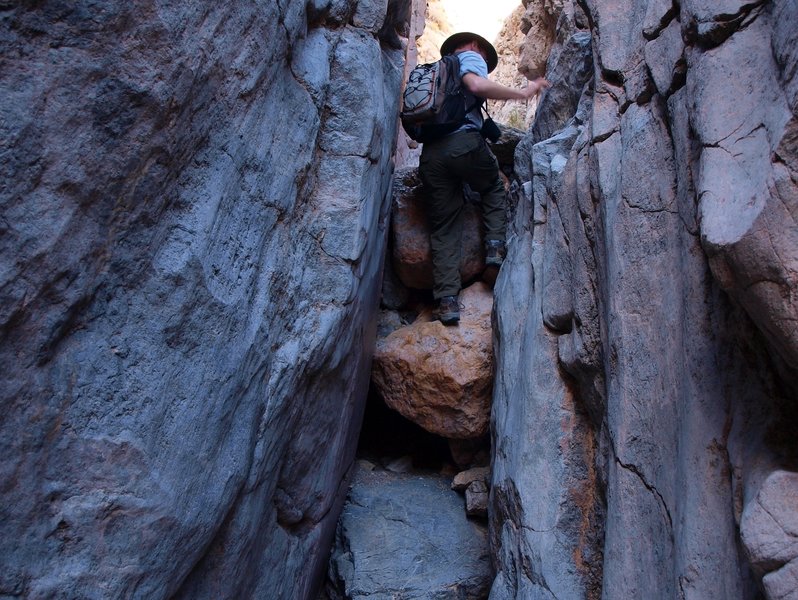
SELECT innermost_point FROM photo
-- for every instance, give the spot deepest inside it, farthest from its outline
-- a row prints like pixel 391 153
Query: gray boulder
pixel 407 536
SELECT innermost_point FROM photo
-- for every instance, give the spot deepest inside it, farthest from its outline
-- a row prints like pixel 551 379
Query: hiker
pixel 463 157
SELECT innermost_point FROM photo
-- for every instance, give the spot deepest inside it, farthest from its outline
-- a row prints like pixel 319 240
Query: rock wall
pixel 194 202
pixel 523 44
pixel 645 319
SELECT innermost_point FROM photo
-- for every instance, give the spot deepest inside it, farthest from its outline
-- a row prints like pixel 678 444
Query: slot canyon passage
pixel 214 271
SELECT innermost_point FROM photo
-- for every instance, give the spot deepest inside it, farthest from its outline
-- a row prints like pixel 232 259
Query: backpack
pixel 434 100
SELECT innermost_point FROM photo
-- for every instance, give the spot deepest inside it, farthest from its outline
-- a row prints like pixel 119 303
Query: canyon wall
pixel 193 224
pixel 194 202
pixel 645 319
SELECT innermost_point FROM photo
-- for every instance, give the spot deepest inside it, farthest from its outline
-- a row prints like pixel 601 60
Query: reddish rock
pixel 476 497
pixel 441 377
pixel 465 478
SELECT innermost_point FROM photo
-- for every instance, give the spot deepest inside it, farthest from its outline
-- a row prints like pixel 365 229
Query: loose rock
pixel 465 478
pixel 441 377
pixel 477 499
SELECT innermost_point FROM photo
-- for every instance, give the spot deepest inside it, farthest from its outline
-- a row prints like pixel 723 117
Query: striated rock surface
pixel 407 536
pixel 194 203
pixel 646 370
pixel 441 377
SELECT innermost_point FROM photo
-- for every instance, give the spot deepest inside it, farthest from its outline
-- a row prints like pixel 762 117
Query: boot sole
pixel 450 318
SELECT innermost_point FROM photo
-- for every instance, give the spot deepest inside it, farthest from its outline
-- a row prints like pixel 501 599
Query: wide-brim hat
pixel 453 42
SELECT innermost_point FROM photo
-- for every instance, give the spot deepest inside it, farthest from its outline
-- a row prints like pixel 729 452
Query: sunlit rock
pixel 441 377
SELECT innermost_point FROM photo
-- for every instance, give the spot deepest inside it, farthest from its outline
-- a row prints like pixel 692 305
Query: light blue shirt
pixel 472 62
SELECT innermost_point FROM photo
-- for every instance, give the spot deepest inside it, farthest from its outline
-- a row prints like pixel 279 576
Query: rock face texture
pixel 194 199
pixel 441 377
pixel 539 27
pixel 407 536
pixel 769 529
pixel 509 44
pixel 645 318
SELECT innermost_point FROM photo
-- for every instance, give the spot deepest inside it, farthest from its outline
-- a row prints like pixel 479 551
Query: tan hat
pixel 453 42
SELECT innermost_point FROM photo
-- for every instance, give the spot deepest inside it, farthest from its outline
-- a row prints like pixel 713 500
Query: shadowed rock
pixel 194 204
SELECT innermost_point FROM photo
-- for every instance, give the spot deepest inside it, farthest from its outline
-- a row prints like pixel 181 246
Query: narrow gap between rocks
pixel 391 442
pixel 422 475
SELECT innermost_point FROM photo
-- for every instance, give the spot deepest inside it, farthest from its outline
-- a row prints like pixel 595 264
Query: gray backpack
pixel 434 102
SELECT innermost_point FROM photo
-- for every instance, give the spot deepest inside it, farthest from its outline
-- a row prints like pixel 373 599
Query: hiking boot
pixel 494 253
pixel 449 310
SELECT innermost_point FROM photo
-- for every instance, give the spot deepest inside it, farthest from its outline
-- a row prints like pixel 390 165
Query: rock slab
pixel 407 536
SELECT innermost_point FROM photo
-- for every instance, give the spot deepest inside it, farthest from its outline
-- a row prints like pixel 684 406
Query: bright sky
pixel 484 17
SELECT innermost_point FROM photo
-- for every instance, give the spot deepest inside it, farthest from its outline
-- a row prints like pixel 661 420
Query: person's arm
pixel 485 88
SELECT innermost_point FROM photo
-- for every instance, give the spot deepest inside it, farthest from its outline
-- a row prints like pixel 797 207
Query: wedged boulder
pixel 407 536
pixel 412 258
pixel 441 377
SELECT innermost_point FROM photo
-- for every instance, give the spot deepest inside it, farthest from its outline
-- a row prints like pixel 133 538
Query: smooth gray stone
pixel 407 536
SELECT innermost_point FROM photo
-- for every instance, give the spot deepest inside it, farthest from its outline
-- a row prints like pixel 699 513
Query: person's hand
pixel 534 87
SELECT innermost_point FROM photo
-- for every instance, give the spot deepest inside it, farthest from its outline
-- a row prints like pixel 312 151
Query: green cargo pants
pixel 446 164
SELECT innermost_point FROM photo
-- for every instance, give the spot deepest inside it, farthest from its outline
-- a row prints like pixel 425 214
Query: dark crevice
pixel 613 78
pixel 654 32
pixel 711 34
pixel 386 436
pixel 632 468
pixel 679 76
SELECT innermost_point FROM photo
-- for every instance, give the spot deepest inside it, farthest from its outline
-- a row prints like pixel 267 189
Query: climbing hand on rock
pixel 535 86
